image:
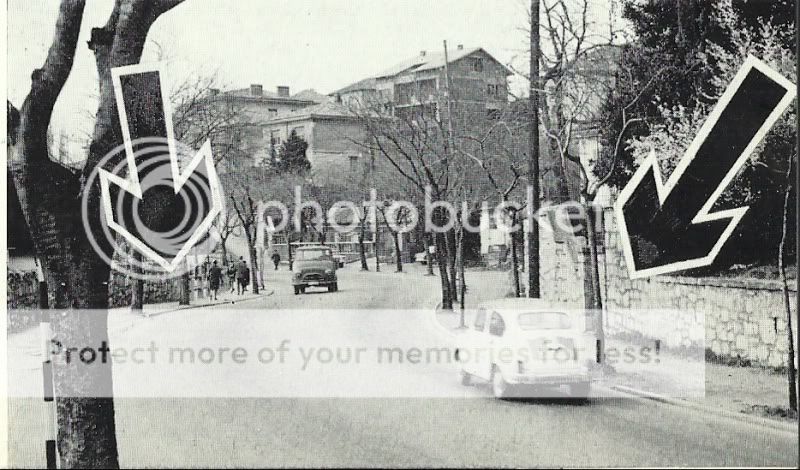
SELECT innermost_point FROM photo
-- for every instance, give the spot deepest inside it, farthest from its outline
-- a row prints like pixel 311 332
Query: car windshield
pixel 544 321
pixel 307 255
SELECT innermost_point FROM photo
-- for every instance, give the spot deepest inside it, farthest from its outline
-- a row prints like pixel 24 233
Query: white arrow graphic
pixel 675 217
pixel 132 185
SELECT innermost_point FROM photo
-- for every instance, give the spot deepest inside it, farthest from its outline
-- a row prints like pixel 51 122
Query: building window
pixel 275 138
pixel 300 131
pixel 493 114
pixel 272 112
pixel 476 64
pixel 353 162
pixel 493 90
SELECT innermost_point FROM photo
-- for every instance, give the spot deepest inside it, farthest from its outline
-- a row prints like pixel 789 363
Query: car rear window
pixel 544 321
pixel 307 255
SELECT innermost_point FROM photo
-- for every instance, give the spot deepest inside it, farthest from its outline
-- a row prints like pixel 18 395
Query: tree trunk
pixel 791 371
pixel 441 258
pixel 224 248
pixel 428 256
pixel 377 245
pixel 361 249
pixel 253 267
pixel 463 284
pixel 449 238
pixel 398 256
pixel 51 199
pixel 137 289
pixel 186 289
pixel 515 258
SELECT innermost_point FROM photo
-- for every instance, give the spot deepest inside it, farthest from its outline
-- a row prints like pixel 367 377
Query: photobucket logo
pixel 153 207
pixel 436 214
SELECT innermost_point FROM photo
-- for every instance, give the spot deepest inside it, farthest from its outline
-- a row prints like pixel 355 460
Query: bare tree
pixel 791 371
pixel 50 196
pixel 226 226
pixel 415 145
pixel 245 205
pixel 498 154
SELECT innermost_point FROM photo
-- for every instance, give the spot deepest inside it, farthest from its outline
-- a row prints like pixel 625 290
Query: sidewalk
pixel 728 389
pixel 122 318
pixel 26 346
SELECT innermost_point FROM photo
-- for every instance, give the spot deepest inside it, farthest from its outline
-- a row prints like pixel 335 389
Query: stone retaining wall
pixel 744 319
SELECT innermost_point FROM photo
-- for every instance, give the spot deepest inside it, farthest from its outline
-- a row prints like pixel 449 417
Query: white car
pixel 527 344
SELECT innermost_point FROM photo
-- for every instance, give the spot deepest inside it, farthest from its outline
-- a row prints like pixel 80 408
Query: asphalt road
pixel 229 416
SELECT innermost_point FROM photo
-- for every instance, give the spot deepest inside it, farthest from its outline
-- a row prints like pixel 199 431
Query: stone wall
pixel 23 291
pixel 744 319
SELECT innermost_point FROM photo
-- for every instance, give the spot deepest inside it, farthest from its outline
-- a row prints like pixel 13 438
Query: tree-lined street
pixel 473 430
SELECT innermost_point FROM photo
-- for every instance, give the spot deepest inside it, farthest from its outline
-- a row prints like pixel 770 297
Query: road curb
pixel 750 419
pixel 193 306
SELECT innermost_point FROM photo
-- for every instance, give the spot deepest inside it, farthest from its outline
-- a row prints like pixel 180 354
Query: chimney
pixel 256 89
pixel 283 91
pixel 422 53
pixel 460 47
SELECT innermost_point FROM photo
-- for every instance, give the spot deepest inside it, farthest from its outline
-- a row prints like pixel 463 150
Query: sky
pixel 320 44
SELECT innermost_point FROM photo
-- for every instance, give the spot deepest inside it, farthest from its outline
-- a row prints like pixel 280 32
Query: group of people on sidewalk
pixel 238 277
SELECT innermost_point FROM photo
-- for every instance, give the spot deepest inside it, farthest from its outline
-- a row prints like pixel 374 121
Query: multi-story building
pixel 252 108
pixel 334 135
pixel 478 86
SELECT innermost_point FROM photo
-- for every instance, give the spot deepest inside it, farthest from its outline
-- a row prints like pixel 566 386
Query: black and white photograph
pixel 400 234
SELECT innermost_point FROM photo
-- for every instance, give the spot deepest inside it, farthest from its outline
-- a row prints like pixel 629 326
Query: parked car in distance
pixel 314 266
pixel 421 258
pixel 533 346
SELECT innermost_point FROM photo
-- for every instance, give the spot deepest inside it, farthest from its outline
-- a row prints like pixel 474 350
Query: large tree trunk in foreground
pixel 51 199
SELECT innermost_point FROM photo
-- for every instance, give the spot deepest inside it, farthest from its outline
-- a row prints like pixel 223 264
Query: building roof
pixel 267 95
pixel 432 61
pixel 365 84
pixel 328 109
pixel 311 95
pixel 429 61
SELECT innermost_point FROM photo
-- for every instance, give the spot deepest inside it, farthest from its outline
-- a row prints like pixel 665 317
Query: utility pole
pixel 533 156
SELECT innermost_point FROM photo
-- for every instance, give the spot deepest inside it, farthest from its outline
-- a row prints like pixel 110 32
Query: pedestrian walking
pixel 214 279
pixel 276 258
pixel 242 276
pixel 232 276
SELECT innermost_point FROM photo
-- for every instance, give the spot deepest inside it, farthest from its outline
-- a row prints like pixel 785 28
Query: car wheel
pixel 500 387
pixel 331 288
pixel 580 390
pixel 302 289
pixel 466 377
pixel 296 290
